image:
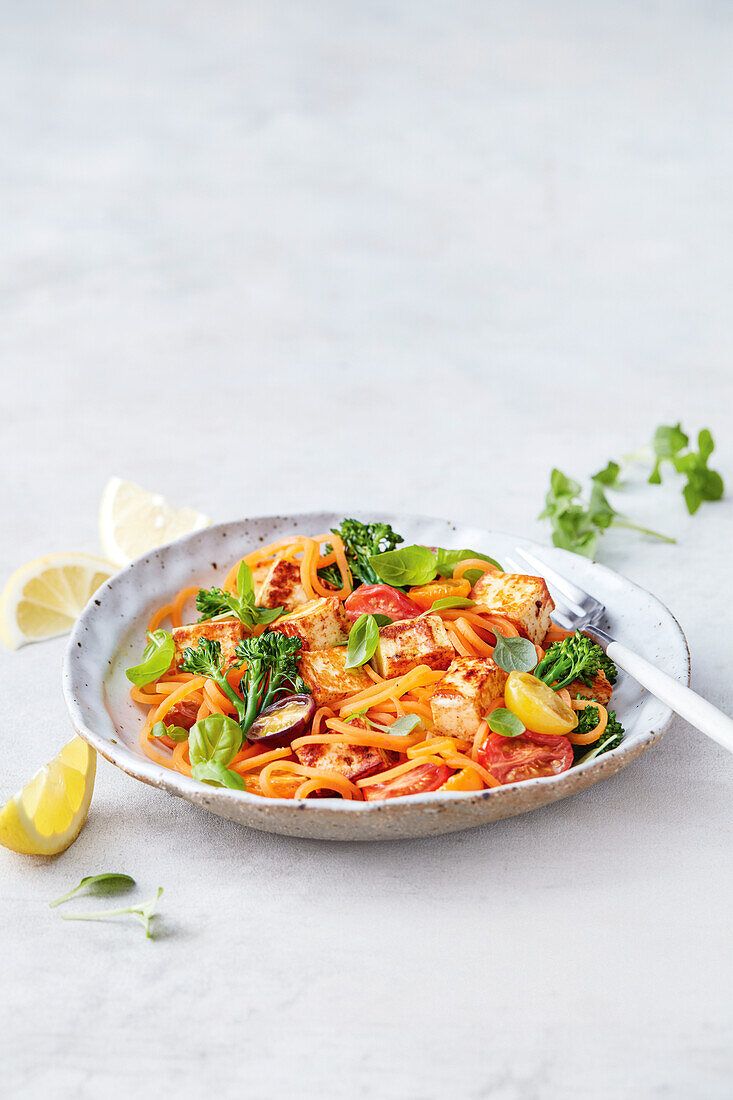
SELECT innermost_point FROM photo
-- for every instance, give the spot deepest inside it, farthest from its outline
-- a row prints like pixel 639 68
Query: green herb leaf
pixel 410 565
pixel 214 603
pixel 363 641
pixel 400 727
pixel 143 913
pixel 667 443
pixel 575 524
pixel 451 601
pixel 514 654
pixel 609 475
pixel 404 725
pixel 176 733
pixel 217 775
pixel 110 882
pixel 503 722
pixel 447 560
pixel 382 620
pixel 157 658
pixel 217 738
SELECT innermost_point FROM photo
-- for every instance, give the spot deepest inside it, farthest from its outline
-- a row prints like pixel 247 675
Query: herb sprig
pixel 215 603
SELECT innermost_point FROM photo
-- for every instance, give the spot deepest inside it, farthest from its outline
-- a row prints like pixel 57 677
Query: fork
pixel 576 609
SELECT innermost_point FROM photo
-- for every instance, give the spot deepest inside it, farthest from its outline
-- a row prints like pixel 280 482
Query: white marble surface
pixel 272 257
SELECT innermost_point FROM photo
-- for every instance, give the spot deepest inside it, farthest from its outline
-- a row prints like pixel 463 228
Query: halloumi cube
pixel 319 624
pixel 281 586
pixel 351 761
pixel 410 642
pixel 461 698
pixel 327 677
pixel 259 573
pixel 600 689
pixel 524 600
pixel 227 633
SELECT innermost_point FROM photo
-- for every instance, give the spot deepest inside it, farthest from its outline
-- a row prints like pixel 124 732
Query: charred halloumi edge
pixel 227 632
pixel 325 674
pixel 461 698
pixel 409 642
pixel 524 600
pixel 320 624
pixel 281 586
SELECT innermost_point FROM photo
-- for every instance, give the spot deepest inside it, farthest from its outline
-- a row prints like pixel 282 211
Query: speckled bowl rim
pixel 78 690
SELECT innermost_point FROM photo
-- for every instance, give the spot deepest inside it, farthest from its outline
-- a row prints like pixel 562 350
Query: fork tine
pixel 563 597
pixel 576 596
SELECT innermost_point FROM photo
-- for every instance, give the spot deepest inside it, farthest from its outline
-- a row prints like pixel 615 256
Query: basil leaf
pixel 176 733
pixel 217 775
pixel 157 658
pixel 404 725
pixel 245 584
pixel 514 654
pixel 363 641
pixel 447 560
pixel 383 620
pixel 502 721
pixel 216 739
pixel 110 882
pixel 410 565
pixel 451 601
pixel 609 475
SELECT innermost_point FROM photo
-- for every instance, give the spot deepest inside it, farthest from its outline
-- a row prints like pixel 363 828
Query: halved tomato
pixel 514 759
pixel 425 777
pixel 380 599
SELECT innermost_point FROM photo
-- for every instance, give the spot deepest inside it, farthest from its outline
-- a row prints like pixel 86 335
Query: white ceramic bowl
pixel 109 636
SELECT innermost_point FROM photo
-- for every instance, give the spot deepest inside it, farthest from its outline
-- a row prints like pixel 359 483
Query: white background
pixel 268 257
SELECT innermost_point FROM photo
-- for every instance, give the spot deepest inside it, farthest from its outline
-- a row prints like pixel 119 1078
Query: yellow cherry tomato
pixel 537 705
pixel 467 779
pixel 426 595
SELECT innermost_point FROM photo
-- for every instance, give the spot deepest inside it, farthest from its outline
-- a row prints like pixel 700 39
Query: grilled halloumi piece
pixel 227 633
pixel 351 761
pixel 410 642
pixel 524 600
pixel 281 586
pixel 327 677
pixel 319 624
pixel 460 700
pixel 259 573
pixel 600 689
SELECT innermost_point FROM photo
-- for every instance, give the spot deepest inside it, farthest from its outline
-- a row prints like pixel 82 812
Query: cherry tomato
pixel 514 759
pixel 426 595
pixel 537 706
pixel 467 779
pixel 380 599
pixel 426 777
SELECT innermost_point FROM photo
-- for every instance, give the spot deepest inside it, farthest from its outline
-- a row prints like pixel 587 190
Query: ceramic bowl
pixel 109 636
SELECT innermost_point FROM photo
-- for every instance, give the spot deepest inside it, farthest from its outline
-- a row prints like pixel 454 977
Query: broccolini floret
pixel 361 540
pixel 576 657
pixel 611 738
pixel 271 670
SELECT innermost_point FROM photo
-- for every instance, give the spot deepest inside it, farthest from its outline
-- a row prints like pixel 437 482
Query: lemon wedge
pixel 46 816
pixel 43 598
pixel 133 521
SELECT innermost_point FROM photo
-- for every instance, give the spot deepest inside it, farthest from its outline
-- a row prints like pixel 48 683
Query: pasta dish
pixel 350 665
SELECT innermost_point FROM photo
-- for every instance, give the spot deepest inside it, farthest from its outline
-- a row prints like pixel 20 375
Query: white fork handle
pixel 683 700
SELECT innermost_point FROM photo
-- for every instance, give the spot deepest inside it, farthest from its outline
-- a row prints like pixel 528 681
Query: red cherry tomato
pixel 514 759
pixel 426 777
pixel 380 599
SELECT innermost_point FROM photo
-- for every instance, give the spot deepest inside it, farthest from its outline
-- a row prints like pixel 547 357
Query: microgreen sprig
pixel 143 913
